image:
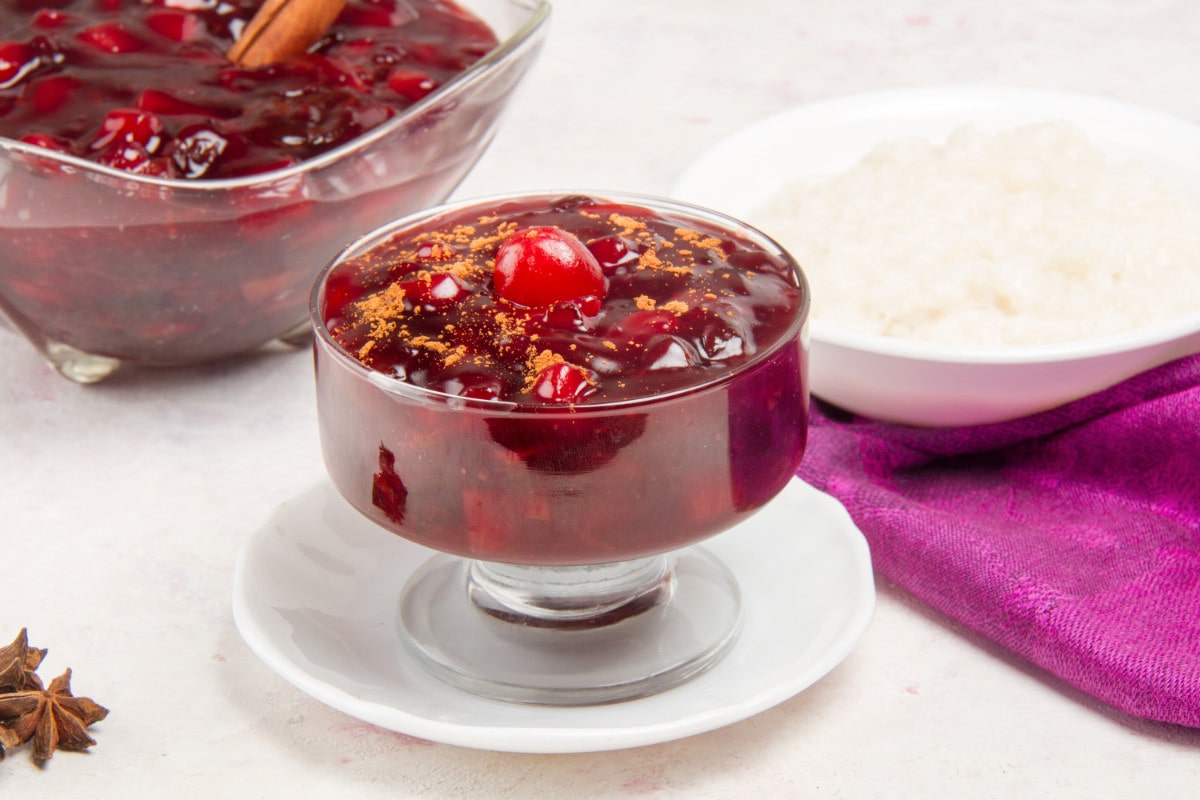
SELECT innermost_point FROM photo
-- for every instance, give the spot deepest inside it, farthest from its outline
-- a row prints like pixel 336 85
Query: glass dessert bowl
pixel 563 394
pixel 114 255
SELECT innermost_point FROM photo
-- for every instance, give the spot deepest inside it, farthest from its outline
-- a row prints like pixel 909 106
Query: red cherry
pixel 388 492
pixel 50 18
pixel 410 84
pixel 161 102
pixel 367 16
pixel 329 71
pixel 51 94
pixel 47 141
pixel 178 26
pixel 643 325
pixel 16 61
pixel 436 291
pixel 562 383
pixel 132 157
pixel 612 252
pixel 129 126
pixel 111 37
pixel 545 265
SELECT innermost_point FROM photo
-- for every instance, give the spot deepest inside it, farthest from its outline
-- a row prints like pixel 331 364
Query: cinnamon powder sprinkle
pixel 694 238
pixel 628 225
pixel 503 231
pixel 537 362
pixel 441 348
pixel 650 260
pixel 466 252
pixel 676 307
pixel 440 252
pixel 381 310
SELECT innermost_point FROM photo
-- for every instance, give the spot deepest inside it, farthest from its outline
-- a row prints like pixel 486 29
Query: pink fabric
pixel 1071 537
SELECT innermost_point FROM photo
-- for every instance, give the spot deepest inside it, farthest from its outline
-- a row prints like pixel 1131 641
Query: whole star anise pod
pixel 52 717
pixel 18 662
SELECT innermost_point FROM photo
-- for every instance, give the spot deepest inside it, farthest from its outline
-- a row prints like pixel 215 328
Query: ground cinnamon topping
pixel 503 231
pixel 676 307
pixel 439 347
pixel 440 252
pixel 537 362
pixel 694 238
pixel 381 310
pixel 628 225
pixel 650 260
pixel 512 343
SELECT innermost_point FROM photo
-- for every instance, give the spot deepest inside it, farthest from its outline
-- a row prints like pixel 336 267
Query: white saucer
pixel 315 596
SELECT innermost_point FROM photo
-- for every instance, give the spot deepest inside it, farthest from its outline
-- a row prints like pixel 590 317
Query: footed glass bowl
pixel 102 267
pixel 568 575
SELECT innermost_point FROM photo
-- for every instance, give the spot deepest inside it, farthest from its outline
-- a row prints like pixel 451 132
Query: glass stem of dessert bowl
pixel 571 635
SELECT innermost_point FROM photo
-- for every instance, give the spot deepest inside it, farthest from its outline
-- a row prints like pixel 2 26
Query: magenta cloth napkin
pixel 1071 537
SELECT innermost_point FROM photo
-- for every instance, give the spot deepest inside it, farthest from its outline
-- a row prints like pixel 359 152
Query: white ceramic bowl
pixel 921 383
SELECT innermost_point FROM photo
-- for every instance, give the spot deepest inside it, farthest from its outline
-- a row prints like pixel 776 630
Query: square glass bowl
pixel 102 267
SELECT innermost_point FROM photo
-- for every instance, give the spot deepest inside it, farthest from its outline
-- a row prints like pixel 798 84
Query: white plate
pixel 921 383
pixel 315 594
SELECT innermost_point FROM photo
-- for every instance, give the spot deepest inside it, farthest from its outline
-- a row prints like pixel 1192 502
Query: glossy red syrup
pixel 635 302
pixel 145 86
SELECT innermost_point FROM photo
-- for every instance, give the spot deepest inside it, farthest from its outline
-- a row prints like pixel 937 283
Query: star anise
pixel 8 740
pixel 52 717
pixel 18 662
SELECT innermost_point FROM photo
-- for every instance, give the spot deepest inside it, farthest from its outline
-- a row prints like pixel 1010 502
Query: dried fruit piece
pixel 53 718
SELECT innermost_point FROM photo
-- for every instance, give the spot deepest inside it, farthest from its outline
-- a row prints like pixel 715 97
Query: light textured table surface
pixel 123 505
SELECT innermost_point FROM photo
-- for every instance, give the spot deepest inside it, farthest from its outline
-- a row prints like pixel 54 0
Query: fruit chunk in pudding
pixel 562 379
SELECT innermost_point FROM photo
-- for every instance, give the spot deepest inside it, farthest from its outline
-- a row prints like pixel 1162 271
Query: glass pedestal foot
pixel 573 635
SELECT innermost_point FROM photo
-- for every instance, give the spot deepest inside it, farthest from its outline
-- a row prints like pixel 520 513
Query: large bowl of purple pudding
pixel 161 205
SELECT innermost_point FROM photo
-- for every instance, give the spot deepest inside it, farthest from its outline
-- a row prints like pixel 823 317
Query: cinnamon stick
pixel 283 28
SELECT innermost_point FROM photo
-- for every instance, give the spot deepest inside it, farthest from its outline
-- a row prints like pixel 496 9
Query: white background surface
pixel 122 506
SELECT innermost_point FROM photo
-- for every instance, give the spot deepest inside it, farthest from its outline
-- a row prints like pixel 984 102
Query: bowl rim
pixel 528 34
pixel 797 329
pixel 999 355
